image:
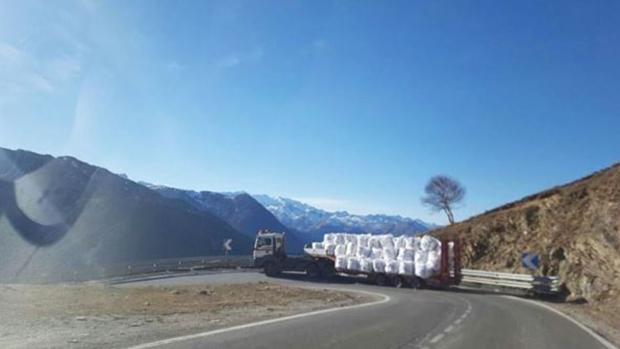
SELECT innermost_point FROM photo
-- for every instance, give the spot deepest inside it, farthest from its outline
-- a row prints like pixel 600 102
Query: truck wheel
pixel 397 281
pixel 313 271
pixel 380 280
pixel 327 271
pixel 272 269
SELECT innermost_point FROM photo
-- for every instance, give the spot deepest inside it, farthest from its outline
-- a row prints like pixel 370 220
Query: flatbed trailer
pixel 269 255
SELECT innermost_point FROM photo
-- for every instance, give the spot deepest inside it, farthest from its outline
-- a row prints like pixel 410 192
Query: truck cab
pixel 270 255
pixel 269 251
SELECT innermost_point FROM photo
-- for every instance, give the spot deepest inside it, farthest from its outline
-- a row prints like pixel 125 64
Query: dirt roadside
pixel 101 316
pixel 603 319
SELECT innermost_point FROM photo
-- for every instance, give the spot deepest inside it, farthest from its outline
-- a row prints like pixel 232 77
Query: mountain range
pixel 309 219
pixel 240 210
pixel 60 216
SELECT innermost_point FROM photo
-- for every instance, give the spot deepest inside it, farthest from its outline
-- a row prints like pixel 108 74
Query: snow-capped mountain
pixel 238 209
pixel 306 218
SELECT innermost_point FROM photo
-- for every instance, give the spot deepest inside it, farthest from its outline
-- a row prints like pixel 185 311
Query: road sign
pixel 530 260
pixel 227 245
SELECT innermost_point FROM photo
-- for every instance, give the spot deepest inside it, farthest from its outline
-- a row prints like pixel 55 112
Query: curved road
pixel 406 319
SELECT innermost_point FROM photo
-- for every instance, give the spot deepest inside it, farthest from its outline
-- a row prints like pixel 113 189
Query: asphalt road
pixel 405 319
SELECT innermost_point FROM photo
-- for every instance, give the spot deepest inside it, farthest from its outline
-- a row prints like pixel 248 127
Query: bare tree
pixel 442 194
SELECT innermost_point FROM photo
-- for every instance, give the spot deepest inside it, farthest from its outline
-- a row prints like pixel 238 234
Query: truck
pixel 269 255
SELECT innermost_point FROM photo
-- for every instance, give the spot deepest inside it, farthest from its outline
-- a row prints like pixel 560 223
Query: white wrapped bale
pixel 339 238
pixel 351 249
pixel 433 261
pixel 330 248
pixel 378 265
pixel 391 266
pixel 406 254
pixel 366 265
pixel 429 243
pixel 363 252
pixel 389 253
pixel 420 264
pixel 341 262
pixel 353 263
pixel 317 245
pixel 376 253
pixel 409 242
pixel 399 242
pixel 405 268
pixel 386 240
pixel 350 238
pixel 374 242
pixel 329 238
pixel 340 250
pixel 362 240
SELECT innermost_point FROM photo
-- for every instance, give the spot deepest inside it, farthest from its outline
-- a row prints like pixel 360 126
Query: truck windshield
pixel 263 241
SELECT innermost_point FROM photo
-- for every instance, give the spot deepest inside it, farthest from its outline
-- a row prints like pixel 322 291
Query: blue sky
pixel 345 104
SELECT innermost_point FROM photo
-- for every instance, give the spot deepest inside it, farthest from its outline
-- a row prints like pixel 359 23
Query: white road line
pixel 385 298
pixel 596 336
pixel 437 338
pixel 458 321
pixel 448 329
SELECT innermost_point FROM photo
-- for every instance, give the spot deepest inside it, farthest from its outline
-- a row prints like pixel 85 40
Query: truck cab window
pixel 263 242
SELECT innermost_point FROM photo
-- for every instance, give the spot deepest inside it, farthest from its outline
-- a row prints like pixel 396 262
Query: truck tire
pixel 313 271
pixel 381 279
pixel 327 271
pixel 272 269
pixel 397 281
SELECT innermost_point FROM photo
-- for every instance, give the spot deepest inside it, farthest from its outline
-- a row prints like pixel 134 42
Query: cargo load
pixel 403 255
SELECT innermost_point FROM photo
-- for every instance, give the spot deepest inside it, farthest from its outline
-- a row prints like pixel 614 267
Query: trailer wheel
pixel 313 271
pixel 398 281
pixel 416 283
pixel 272 269
pixel 381 280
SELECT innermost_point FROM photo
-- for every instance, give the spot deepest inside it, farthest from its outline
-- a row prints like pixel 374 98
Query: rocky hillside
pixel 575 228
pixel 240 210
pixel 61 215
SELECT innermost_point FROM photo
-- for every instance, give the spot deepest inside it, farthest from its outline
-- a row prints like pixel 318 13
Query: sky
pixel 346 105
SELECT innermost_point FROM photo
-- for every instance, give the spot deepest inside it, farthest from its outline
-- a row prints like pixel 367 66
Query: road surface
pixel 405 318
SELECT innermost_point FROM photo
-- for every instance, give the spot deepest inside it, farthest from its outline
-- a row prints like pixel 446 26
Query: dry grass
pixel 92 300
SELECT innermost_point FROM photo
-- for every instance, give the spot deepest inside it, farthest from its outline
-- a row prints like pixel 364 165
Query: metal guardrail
pixel 178 264
pixel 525 282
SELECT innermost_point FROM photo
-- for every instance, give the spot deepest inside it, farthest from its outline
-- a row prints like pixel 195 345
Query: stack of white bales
pixel 384 253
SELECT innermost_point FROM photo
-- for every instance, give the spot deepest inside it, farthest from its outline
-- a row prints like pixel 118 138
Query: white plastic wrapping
pixel 351 249
pixel 427 258
pixel 330 248
pixel 409 242
pixel 341 262
pixel 340 250
pixel 366 265
pixel 391 266
pixel 406 254
pixel 362 240
pixel 363 252
pixel 339 238
pixel 406 268
pixel 378 265
pixel 329 238
pixel 353 263
pixel 389 253
pixel 376 253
